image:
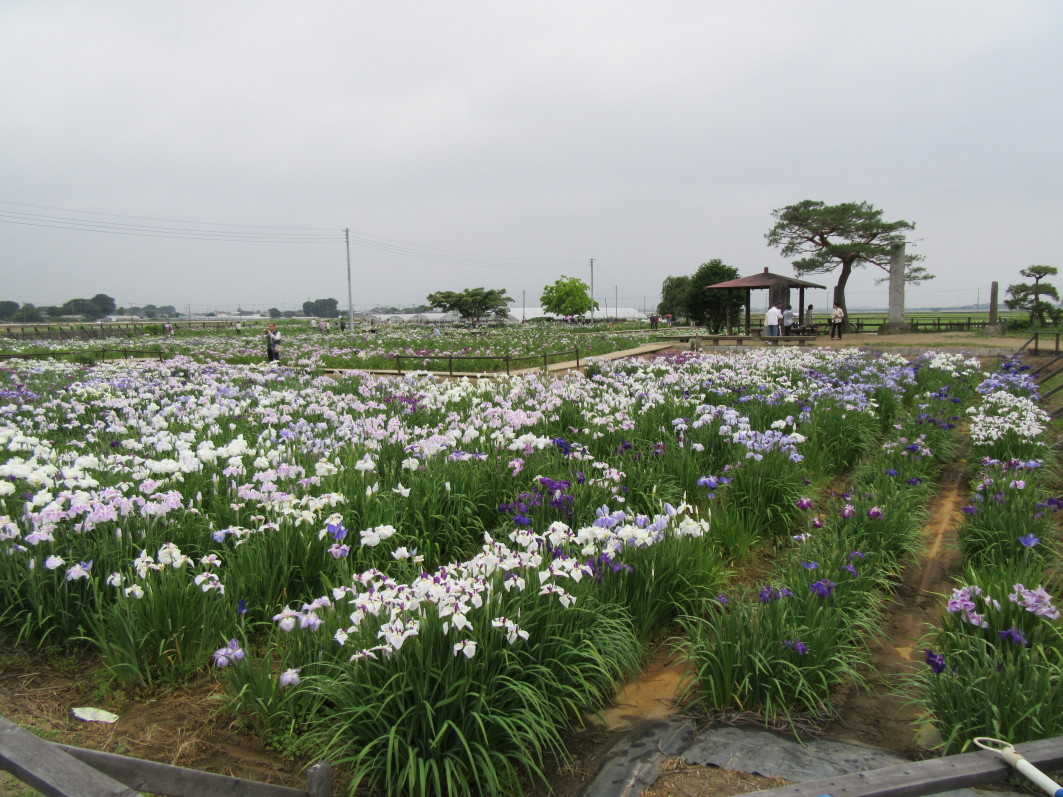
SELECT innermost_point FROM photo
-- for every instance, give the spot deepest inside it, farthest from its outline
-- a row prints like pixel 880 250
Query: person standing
pixel 837 320
pixel 787 320
pixel 771 321
pixel 273 340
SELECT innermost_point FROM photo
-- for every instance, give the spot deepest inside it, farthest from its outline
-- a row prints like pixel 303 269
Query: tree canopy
pixel 472 303
pixel 674 297
pixel 568 296
pixel 709 308
pixel 321 308
pixel 849 235
pixel 1024 296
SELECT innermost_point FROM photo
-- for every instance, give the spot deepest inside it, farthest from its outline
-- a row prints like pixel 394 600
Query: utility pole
pixel 523 296
pixel 592 289
pixel 350 307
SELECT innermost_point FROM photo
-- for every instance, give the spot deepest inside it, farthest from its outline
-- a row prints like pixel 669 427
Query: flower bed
pixel 428 581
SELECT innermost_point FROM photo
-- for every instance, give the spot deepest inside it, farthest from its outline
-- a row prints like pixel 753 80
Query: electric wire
pixel 259 234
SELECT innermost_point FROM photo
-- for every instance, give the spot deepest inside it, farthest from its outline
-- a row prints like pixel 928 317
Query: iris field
pixel 427 581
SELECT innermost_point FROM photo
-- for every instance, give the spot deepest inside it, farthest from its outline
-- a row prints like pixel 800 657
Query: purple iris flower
pixel 823 588
pixel 1015 635
pixel 1029 541
pixel 796 645
pixel 936 661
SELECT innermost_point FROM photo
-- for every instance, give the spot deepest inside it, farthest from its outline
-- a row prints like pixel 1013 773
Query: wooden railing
pixel 59 770
pixel 509 362
pixel 1035 340
pixel 97 331
pixel 97 354
pixel 927 777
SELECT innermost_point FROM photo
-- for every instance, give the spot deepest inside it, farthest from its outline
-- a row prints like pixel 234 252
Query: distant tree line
pixel 92 309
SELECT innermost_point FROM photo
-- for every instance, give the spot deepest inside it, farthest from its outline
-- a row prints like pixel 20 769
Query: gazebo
pixel 773 283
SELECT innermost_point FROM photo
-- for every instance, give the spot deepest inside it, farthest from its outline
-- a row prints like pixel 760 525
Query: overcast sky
pixel 225 146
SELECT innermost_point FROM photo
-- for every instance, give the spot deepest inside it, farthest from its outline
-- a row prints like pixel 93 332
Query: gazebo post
pixel 801 305
pixel 773 283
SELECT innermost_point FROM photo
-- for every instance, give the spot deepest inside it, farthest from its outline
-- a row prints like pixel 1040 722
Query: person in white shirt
pixel 771 321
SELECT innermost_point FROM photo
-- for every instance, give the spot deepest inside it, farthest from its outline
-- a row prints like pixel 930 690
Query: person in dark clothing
pixel 273 340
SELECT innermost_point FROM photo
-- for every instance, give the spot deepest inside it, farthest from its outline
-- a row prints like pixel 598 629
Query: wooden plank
pixel 927 777
pixel 51 770
pixel 166 779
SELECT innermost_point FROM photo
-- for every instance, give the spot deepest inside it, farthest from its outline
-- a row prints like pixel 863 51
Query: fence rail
pixel 59 770
pixel 923 324
pixel 1033 345
pixel 509 361
pixel 100 331
pixel 99 354
pixel 927 777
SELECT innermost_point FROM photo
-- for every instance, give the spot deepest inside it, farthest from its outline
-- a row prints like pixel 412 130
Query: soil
pixel 188 727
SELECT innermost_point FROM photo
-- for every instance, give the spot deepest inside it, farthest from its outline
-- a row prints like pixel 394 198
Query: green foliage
pixel 472 303
pixel 428 720
pixel 709 308
pixel 850 235
pixel 320 308
pixel 568 296
pixel 674 294
pixel 165 635
pixel 27 314
pixel 8 310
pixel 1024 296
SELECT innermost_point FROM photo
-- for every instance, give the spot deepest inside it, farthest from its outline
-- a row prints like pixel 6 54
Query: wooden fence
pixel 509 361
pixel 920 323
pixel 1033 345
pixel 58 770
pixel 100 331
pixel 96 354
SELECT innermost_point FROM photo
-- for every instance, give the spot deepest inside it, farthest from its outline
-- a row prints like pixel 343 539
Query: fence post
pixel 398 364
pixel 546 365
pixel 319 781
pixel 507 365
pixel 577 357
pixel 450 361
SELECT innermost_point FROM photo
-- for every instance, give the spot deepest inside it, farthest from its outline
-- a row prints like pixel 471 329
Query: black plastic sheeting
pixel 634 762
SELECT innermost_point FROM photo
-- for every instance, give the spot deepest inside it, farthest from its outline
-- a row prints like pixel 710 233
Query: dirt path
pixel 881 717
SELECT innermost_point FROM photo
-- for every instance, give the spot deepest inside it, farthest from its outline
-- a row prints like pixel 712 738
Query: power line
pixel 155 218
pixel 259 234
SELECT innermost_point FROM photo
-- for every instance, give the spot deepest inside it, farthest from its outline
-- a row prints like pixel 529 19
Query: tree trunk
pixel 839 291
